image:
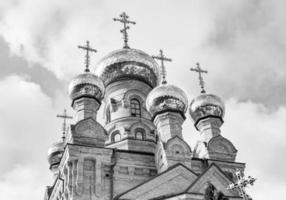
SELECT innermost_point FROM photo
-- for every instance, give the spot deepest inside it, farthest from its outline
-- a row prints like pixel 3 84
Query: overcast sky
pixel 241 43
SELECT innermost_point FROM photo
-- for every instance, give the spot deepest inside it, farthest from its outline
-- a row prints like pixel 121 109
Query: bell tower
pixel 167 105
pixel 129 75
pixel 207 112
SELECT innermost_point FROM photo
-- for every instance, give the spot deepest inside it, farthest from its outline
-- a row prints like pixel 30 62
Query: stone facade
pixel 135 155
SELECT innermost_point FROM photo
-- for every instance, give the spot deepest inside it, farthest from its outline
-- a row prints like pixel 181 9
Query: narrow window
pixel 107 115
pixel 139 134
pixel 135 108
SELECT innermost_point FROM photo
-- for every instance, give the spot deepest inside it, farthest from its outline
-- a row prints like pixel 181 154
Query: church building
pixel 139 153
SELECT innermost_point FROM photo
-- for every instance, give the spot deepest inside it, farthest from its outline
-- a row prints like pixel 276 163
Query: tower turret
pixel 129 75
pixel 167 105
pixel 86 91
pixel 207 112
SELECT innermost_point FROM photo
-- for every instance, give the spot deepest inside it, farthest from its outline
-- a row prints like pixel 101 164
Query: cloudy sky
pixel 241 43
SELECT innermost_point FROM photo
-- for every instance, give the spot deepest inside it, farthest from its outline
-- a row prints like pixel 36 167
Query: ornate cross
pixel 241 184
pixel 88 49
pixel 162 58
pixel 200 71
pixel 124 19
pixel 64 116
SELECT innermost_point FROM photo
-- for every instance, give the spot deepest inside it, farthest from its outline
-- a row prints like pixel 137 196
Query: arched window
pixel 135 108
pixel 139 134
pixel 116 136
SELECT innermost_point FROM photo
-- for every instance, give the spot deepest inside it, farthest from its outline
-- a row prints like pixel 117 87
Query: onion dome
pixel 86 85
pixel 166 97
pixel 128 63
pixel 55 153
pixel 206 105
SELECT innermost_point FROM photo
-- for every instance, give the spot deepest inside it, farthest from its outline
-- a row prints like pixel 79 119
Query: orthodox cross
pixel 124 19
pixel 64 116
pixel 88 49
pixel 200 71
pixel 162 58
pixel 241 184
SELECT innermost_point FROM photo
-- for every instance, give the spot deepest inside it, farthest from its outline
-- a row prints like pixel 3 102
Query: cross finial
pixel 88 49
pixel 200 71
pixel 241 184
pixel 162 58
pixel 124 19
pixel 65 116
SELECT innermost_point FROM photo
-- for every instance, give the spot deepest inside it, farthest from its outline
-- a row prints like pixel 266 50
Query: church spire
pixel 162 58
pixel 199 70
pixel 88 49
pixel 124 20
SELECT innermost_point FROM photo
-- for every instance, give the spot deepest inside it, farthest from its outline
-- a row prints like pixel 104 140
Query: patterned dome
pixel 206 105
pixel 55 152
pixel 86 84
pixel 128 63
pixel 166 97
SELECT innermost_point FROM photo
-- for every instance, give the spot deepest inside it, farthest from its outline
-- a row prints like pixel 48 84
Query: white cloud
pixel 22 182
pixel 241 43
pixel 28 127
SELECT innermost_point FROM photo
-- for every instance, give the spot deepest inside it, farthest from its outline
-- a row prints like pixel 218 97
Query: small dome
pixel 55 152
pixel 166 97
pixel 128 63
pixel 206 105
pixel 86 84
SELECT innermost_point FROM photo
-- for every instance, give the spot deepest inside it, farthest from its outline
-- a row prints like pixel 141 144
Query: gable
pixel 216 177
pixel 178 147
pixel 88 131
pixel 174 180
pixel 221 148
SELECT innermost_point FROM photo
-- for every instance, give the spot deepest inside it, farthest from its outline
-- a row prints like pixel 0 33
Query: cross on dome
pixel 124 20
pixel 162 58
pixel 241 184
pixel 64 116
pixel 199 70
pixel 88 49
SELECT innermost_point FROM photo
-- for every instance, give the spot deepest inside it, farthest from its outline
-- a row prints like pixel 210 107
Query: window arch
pixel 135 108
pixel 116 136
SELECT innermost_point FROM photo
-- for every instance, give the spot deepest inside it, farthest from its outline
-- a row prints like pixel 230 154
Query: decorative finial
pixel 124 19
pixel 65 116
pixel 200 71
pixel 88 49
pixel 162 58
pixel 241 184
